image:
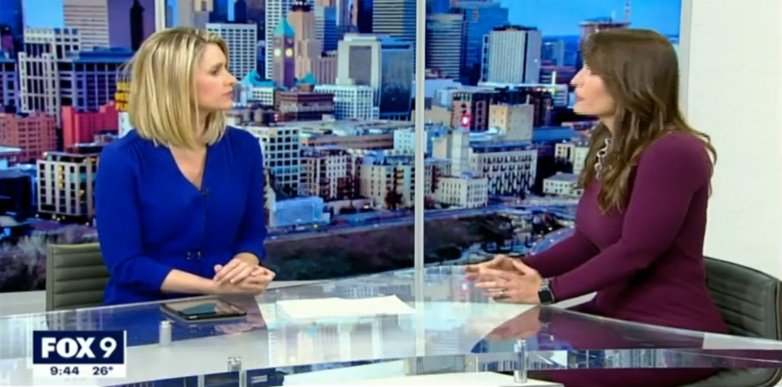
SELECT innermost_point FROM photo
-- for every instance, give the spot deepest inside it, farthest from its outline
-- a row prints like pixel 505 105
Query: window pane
pixel 326 86
pixel 504 146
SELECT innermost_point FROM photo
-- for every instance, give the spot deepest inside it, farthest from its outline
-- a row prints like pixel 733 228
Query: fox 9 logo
pixel 79 347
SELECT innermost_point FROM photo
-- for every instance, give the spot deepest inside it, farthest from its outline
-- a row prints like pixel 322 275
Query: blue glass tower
pixel 479 19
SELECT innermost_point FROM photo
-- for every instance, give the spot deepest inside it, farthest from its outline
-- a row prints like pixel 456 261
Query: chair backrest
pixel 749 301
pixel 75 276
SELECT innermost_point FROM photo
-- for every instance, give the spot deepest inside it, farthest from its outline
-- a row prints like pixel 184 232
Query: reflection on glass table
pixel 375 319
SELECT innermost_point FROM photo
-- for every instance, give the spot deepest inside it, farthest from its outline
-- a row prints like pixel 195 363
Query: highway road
pixel 348 228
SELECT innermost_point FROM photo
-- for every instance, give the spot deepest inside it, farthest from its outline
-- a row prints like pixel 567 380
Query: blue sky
pixel 43 13
pixel 561 17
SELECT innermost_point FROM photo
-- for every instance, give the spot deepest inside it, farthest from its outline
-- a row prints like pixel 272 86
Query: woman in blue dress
pixel 179 199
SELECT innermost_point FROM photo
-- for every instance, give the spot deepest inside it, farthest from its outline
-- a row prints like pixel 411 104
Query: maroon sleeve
pixel 669 173
pixel 564 256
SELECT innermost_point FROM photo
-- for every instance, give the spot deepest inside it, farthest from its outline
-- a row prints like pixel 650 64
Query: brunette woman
pixel 641 221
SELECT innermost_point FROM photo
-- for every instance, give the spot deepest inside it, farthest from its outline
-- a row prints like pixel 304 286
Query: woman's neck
pixel 608 122
pixel 200 129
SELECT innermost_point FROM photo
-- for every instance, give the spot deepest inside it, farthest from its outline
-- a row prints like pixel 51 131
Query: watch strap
pixel 545 294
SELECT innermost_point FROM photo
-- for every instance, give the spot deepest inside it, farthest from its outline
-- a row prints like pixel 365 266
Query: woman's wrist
pixel 248 258
pixel 211 287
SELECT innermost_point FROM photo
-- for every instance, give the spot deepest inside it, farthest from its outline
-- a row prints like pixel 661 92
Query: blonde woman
pixel 179 199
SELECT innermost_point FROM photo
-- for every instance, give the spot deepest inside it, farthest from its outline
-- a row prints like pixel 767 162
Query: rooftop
pixel 284 29
pixel 12 173
pixel 553 134
pixel 347 127
pixel 5 150
pixel 566 177
pixel 102 55
pixel 485 145
pixel 308 79
pixel 256 80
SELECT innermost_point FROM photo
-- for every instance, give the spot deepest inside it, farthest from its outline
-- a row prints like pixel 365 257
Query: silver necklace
pixel 601 154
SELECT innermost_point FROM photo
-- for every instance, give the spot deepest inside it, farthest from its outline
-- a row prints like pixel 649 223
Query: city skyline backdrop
pixel 552 17
pixel 332 112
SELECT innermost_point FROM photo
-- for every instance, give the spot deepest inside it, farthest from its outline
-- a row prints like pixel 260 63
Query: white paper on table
pixel 344 307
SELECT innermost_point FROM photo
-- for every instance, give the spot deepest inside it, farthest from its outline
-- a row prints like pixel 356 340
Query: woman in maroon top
pixel 641 220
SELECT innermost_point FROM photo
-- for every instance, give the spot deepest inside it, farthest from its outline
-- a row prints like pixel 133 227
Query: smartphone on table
pixel 203 310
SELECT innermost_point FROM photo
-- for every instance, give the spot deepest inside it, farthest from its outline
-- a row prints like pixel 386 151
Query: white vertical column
pixel 420 167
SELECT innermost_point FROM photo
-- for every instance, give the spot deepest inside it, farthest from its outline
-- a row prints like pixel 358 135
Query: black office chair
pixel 749 301
pixel 76 276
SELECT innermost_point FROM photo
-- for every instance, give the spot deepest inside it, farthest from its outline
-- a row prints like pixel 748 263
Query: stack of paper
pixel 344 307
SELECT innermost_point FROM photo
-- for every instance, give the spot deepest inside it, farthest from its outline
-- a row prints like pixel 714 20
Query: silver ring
pixel 502 293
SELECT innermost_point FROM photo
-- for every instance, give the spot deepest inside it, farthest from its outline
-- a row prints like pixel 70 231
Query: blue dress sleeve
pixel 253 227
pixel 119 226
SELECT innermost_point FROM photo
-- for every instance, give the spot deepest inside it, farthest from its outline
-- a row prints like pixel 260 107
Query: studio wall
pixel 731 53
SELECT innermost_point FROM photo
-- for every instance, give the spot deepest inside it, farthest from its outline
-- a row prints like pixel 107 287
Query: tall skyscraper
pixel 202 10
pixel 385 64
pixel 434 7
pixel 182 13
pixel 344 14
pixel 240 11
pixel 91 18
pixel 256 13
pixel 362 16
pixel 306 47
pixel 131 22
pixel 241 38
pixel 7 40
pixel 13 18
pixel 326 26
pixel 512 55
pixel 9 81
pixel 219 13
pixel 444 43
pixel 302 20
pixel 136 25
pixel 276 12
pixel 284 61
pixel 395 18
pixel 38 86
pixel 480 17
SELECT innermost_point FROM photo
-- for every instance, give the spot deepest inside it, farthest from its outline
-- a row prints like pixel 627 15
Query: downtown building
pixel 242 41
pixel 383 63
pixel 9 82
pixel 66 184
pixel 55 72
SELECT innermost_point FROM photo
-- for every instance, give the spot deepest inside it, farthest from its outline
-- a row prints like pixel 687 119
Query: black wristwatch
pixel 545 294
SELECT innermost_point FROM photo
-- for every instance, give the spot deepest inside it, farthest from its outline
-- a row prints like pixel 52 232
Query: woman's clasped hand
pixel 241 277
pixel 507 280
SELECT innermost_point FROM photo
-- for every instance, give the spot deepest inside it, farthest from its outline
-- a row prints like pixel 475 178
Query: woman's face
pixel 592 97
pixel 214 84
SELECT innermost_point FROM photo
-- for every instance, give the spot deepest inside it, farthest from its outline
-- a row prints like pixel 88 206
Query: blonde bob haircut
pixel 163 102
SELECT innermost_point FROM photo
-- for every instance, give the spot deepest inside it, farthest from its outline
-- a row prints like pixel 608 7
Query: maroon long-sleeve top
pixel 646 261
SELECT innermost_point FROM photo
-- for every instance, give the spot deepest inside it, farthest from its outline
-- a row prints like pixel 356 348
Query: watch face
pixel 546 296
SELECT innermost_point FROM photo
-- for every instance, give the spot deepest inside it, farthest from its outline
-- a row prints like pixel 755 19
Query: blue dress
pixel 151 219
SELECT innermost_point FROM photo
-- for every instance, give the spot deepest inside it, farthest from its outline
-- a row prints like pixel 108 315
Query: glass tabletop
pixel 375 318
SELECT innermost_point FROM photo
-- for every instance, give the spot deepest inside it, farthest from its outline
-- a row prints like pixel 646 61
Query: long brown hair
pixel 641 73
